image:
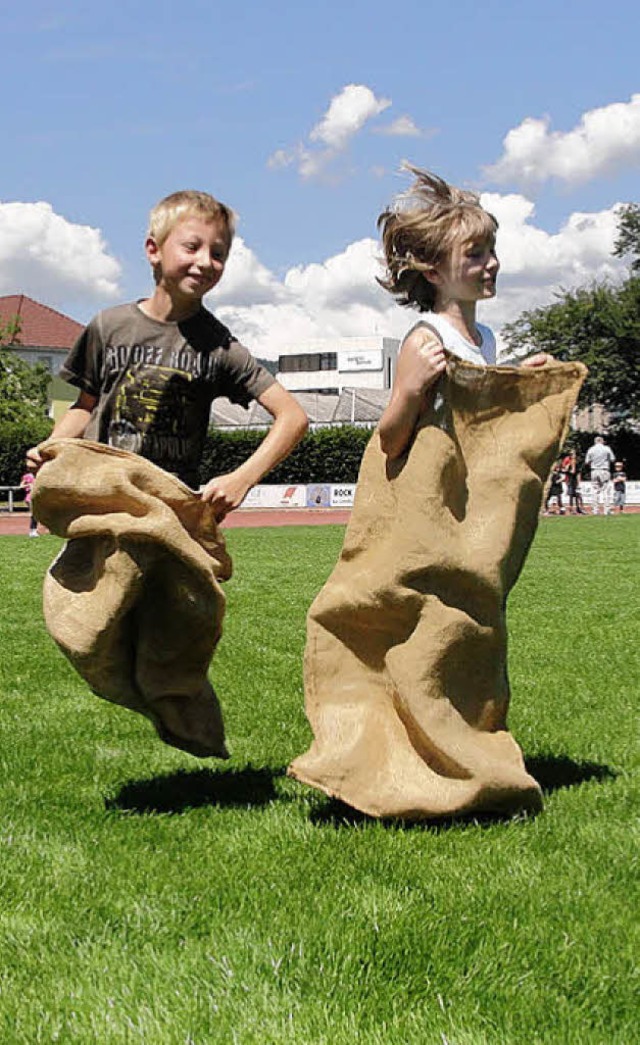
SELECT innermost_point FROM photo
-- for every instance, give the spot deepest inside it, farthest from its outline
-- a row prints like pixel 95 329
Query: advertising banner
pixel 342 495
pixel 632 492
pixel 276 497
pixel 318 495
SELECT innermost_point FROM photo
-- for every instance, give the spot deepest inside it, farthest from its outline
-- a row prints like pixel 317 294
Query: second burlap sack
pixel 406 659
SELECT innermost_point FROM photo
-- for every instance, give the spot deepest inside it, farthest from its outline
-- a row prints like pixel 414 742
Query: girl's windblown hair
pixel 420 229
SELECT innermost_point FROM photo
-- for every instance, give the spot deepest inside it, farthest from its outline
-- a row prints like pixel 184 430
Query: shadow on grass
pixel 551 772
pixel 337 814
pixel 555 771
pixel 180 791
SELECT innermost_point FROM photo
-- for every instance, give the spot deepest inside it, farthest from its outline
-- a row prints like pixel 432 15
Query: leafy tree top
pixel 598 325
pixel 23 388
pixel 628 240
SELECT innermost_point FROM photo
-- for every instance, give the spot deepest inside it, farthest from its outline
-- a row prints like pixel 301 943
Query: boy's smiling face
pixel 468 274
pixel 191 260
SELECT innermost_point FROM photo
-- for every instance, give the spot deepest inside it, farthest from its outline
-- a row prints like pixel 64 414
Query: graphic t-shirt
pixel 155 382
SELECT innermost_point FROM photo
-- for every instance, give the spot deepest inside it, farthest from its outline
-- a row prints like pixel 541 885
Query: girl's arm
pixel 421 361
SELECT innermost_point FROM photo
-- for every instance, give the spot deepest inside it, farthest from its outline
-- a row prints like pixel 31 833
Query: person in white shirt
pixel 599 458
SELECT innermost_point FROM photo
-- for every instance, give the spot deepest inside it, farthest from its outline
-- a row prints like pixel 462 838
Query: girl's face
pixel 469 273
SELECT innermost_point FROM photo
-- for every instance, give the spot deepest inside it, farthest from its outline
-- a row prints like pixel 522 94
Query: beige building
pixel 330 365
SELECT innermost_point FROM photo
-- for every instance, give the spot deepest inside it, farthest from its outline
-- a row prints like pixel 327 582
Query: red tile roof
pixel 40 326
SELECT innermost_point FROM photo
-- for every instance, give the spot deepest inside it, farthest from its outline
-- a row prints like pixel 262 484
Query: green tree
pixel 628 241
pixel 23 405
pixel 23 388
pixel 598 325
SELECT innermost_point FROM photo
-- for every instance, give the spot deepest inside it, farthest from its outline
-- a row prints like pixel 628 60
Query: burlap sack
pixel 406 658
pixel 133 598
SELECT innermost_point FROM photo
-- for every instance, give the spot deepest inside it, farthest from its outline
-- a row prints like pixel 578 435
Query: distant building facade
pixel 592 418
pixel 329 365
pixel 356 406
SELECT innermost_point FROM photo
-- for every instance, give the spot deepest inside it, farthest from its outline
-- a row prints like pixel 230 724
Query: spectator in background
pixel 554 491
pixel 27 481
pixel 599 458
pixel 619 486
pixel 572 479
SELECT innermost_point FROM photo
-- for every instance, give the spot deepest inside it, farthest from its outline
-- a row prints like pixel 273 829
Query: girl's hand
pixel 420 363
pixel 540 359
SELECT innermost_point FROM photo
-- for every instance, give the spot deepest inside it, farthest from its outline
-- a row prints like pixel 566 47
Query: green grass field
pixel 149 897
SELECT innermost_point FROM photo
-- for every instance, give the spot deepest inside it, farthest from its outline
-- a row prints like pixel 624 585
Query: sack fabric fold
pixel 406 686
pixel 134 599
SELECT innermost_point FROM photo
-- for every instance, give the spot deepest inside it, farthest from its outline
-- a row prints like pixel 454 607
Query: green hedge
pixel 326 455
pixel 15 439
pixel 333 455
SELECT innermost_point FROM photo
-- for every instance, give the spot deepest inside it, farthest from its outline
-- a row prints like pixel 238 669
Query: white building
pixel 328 365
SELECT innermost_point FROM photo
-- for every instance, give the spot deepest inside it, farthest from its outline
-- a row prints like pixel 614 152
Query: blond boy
pixel 148 372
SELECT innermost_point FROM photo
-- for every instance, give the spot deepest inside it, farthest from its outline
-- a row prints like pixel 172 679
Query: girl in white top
pixel 439 246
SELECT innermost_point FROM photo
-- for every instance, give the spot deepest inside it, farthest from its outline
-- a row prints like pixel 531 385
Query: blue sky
pixel 299 116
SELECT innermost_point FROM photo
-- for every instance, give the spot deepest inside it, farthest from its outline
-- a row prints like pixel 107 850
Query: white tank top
pixel 454 342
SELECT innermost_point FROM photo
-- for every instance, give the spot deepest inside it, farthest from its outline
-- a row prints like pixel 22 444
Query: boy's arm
pixel 71 425
pixel 226 492
pixel 421 361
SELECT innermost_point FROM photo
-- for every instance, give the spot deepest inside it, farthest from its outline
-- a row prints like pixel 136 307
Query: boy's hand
pixel 420 363
pixel 225 492
pixel 71 425
pixel 33 460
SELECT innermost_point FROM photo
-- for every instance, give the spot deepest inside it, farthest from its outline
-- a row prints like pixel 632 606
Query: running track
pixel 18 522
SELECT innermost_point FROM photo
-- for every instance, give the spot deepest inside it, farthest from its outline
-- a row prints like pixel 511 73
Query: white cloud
pixel 246 280
pixel 402 127
pixel 340 281
pixel 535 264
pixel 47 257
pixel 605 140
pixel 347 114
pixel 281 158
pixel 340 296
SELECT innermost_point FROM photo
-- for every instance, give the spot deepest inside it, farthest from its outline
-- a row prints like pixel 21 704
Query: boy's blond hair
pixel 420 230
pixel 188 203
